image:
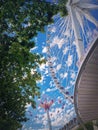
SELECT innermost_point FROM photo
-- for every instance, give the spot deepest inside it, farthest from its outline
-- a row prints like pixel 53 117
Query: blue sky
pixel 64 56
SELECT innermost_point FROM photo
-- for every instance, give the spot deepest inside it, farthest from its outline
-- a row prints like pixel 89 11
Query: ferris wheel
pixel 68 40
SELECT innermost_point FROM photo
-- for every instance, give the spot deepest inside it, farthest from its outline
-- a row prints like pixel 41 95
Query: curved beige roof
pixel 86 87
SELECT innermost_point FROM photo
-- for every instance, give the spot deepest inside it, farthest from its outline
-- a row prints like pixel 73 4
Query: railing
pixel 72 123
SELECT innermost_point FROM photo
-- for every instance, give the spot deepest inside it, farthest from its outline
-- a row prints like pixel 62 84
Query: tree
pixel 62 7
pixel 20 21
pixel 17 84
pixel 88 125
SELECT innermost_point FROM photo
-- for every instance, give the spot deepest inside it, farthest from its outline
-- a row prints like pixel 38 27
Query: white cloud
pixel 27 106
pixel 42 67
pixel 34 48
pixel 53 29
pixel 65 75
pixel 70 60
pixel 51 83
pixel 43 92
pixel 44 50
pixel 50 90
pixel 53 58
pixel 68 87
pixel 54 63
pixel 46 72
pixel 65 50
pixel 57 41
pixel 61 75
pixel 72 82
pixel 60 43
pixel 58 67
pixel 73 75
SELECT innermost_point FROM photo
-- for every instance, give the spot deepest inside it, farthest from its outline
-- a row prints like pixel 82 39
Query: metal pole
pixel 49 121
pixel 78 40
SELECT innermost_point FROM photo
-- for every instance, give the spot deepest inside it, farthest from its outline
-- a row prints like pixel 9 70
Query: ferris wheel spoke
pixel 80 19
pixel 79 43
pixel 89 17
pixel 84 5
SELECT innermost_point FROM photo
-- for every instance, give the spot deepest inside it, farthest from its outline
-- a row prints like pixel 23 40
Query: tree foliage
pixel 62 7
pixel 20 21
pixel 88 125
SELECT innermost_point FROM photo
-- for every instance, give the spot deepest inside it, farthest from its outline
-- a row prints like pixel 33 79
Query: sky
pixel 60 39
